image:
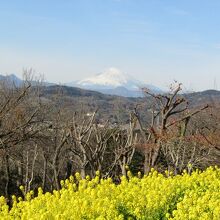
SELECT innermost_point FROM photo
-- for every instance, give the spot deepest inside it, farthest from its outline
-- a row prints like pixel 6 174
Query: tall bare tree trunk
pixel 30 180
pixel 7 174
pixel 44 173
pixel 20 173
pixel 123 164
pixel 147 166
pixel 83 172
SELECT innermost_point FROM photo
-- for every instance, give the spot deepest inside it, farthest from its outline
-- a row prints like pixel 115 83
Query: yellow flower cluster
pixel 156 196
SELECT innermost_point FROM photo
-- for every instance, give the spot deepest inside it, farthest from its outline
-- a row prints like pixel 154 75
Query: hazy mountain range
pixel 114 82
pixel 12 78
pixel 16 81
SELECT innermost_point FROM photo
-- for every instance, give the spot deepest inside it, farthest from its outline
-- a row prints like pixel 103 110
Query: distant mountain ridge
pixel 211 97
pixel 16 81
pixel 112 81
pixel 12 79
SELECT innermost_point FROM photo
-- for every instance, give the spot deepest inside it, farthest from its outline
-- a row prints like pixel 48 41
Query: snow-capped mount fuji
pixel 109 79
pixel 114 82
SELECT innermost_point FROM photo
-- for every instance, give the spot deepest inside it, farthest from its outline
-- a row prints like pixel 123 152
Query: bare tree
pixel 19 119
pixel 168 110
pixel 124 142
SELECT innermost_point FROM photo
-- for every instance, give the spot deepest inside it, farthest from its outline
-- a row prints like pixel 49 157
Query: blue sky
pixel 156 41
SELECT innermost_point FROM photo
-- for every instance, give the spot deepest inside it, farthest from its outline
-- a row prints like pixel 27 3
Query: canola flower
pixel 156 196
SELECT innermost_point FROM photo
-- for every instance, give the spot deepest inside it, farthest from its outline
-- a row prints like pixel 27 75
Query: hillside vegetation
pixel 49 133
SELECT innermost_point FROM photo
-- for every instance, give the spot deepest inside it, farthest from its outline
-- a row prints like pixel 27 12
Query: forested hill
pixel 211 97
pixel 117 108
pixel 110 107
pixel 195 98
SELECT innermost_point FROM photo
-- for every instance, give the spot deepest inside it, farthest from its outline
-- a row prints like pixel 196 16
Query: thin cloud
pixel 217 46
pixel 176 11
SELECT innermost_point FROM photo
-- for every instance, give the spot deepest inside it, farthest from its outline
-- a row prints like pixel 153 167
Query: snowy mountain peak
pixel 112 71
pixel 111 77
pixel 115 82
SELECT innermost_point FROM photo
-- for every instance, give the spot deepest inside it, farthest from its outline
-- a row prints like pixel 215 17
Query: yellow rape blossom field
pixel 156 196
